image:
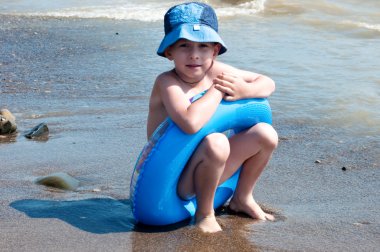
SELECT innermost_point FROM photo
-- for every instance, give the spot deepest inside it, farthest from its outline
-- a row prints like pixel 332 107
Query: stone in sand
pixel 59 180
pixel 40 131
pixel 7 122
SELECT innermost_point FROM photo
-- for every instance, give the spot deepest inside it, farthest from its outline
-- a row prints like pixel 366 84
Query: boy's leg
pixel 253 149
pixel 201 177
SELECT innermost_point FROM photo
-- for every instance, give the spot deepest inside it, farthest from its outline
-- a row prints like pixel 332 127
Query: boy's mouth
pixel 193 65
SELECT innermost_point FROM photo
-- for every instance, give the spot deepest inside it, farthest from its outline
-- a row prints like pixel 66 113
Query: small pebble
pixel 59 180
pixel 318 161
pixel 117 33
pixel 344 168
pixel 361 223
pixel 39 131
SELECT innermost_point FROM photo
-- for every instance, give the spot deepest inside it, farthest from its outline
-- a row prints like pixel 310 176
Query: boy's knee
pixel 217 147
pixel 268 135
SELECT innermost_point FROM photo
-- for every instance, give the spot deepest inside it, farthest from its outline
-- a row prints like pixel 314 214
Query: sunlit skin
pixel 217 157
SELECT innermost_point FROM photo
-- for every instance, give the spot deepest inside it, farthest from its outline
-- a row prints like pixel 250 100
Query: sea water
pixel 323 55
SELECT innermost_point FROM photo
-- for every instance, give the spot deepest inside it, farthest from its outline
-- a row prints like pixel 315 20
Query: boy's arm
pixel 238 84
pixel 190 117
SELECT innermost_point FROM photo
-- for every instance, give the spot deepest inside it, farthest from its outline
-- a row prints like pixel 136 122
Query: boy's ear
pixel 217 48
pixel 168 54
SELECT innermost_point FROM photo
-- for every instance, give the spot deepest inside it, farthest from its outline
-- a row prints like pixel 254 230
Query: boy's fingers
pixel 229 98
pixel 222 82
pixel 226 77
pixel 228 91
pixel 223 89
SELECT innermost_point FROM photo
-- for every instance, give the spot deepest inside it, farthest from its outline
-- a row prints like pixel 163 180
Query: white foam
pixel 146 12
pixel 375 27
pixel 244 9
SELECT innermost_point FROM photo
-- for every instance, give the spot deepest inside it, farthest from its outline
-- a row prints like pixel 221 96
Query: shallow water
pixel 89 79
pixel 323 56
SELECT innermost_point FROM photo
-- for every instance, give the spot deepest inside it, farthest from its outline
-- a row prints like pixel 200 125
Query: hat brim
pixel 192 32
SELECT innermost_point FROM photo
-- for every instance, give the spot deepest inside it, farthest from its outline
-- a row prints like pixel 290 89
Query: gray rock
pixel 7 122
pixel 39 131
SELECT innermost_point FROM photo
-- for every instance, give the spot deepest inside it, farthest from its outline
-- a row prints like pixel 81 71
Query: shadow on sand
pixel 95 215
pixel 107 215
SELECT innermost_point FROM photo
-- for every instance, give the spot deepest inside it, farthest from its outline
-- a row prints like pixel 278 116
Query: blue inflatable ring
pixel 159 166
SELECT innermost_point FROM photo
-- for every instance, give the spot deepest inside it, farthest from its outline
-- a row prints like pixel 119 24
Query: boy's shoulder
pixel 166 77
pixel 220 67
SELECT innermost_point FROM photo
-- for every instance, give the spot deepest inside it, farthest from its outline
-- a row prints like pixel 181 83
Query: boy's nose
pixel 194 53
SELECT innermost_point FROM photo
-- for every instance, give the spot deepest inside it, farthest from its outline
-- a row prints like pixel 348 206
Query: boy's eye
pixel 183 45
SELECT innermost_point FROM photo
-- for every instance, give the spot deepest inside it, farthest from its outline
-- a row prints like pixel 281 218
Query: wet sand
pixel 322 183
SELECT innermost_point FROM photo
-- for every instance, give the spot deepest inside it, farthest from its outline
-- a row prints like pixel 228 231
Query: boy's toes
pixel 208 224
pixel 269 217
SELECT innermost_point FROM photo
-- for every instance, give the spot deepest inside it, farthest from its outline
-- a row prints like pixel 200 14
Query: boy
pixel 191 41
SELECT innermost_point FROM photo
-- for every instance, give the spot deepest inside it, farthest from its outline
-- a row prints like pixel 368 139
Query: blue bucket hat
pixel 192 21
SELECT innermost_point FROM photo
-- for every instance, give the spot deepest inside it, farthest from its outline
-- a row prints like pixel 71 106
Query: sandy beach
pixel 83 78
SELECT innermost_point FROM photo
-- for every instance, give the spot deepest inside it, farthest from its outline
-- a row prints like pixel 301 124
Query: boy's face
pixel 192 57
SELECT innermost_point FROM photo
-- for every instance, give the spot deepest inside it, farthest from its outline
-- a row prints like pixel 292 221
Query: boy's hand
pixel 233 86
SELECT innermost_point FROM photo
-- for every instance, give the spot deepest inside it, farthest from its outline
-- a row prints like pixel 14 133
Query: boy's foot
pixel 207 224
pixel 251 208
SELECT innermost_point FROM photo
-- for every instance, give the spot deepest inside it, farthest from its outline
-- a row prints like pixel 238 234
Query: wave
pixel 140 13
pixel 146 12
pixel 356 24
